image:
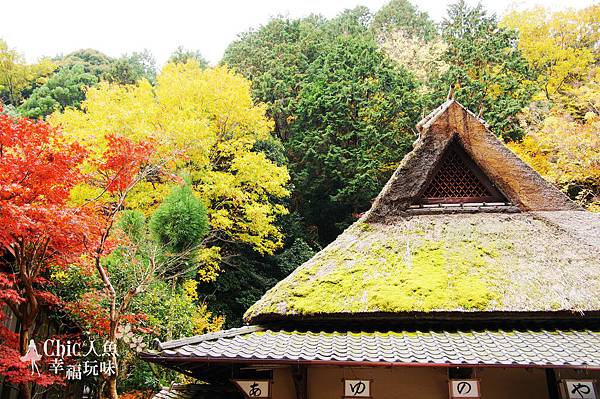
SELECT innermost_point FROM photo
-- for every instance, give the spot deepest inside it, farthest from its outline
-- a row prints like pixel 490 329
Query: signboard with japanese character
pixel 357 388
pixel 464 389
pixel 578 389
pixel 255 388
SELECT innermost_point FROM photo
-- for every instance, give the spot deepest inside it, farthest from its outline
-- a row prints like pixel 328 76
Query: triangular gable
pixel 458 180
pixel 519 183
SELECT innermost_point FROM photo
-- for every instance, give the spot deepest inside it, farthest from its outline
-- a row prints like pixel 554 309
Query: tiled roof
pixel 181 392
pixel 208 337
pixel 195 391
pixel 572 348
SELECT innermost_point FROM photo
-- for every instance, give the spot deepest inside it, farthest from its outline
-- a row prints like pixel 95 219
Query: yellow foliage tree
pixel 16 75
pixel 567 153
pixel 560 46
pixel 563 125
pixel 424 58
pixel 203 320
pixel 206 117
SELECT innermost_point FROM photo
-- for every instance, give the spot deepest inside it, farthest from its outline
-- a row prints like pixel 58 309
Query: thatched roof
pixel 536 252
pixel 522 185
pixel 478 263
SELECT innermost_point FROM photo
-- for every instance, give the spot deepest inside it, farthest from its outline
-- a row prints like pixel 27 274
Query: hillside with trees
pixel 142 202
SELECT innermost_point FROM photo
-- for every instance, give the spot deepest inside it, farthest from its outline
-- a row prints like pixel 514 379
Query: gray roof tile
pixel 488 347
pixel 196 391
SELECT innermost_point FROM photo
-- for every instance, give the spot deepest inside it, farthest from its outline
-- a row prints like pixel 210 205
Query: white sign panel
pixel 357 388
pixel 255 388
pixel 580 389
pixel 464 389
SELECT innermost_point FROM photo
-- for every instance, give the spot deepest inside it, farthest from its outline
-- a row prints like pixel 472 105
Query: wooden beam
pixel 300 376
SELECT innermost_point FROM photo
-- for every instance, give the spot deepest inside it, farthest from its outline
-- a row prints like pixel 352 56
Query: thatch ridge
pixel 522 185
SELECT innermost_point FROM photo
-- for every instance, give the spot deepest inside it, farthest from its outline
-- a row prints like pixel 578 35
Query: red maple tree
pixel 41 230
pixel 124 164
pixel 38 169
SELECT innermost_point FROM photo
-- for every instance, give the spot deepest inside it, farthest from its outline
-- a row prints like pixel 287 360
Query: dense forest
pixel 140 202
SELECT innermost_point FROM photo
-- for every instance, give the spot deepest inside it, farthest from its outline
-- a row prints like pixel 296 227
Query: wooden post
pixel 552 384
pixel 300 376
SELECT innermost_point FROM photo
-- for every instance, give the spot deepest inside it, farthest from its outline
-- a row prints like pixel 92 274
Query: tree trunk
pixel 111 384
pixel 111 379
pixel 23 339
pixel 24 334
pixel 24 387
pixel 24 390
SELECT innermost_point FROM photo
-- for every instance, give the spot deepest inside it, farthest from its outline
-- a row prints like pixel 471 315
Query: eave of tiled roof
pixel 195 391
pixel 181 392
pixel 484 348
pixel 208 337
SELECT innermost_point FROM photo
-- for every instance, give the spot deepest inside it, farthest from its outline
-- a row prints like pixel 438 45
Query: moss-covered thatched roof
pixel 478 262
pixel 536 252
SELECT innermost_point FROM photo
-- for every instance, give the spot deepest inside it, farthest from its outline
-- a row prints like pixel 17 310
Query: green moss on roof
pixel 429 263
pixel 386 278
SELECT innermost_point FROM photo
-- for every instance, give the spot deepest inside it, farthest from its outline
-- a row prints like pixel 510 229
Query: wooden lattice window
pixel 457 179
